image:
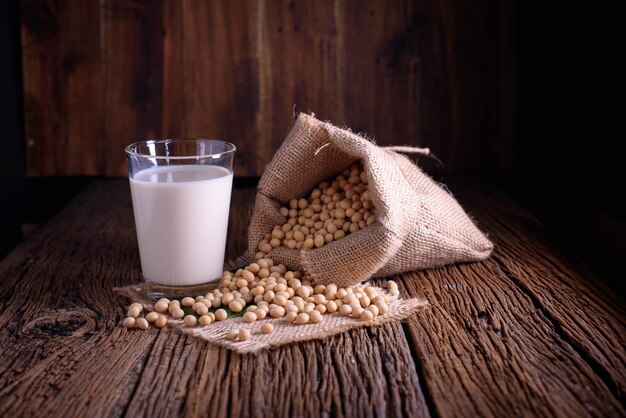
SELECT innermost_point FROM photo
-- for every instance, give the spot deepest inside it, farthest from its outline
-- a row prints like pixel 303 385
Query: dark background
pixel 571 127
pixel 568 132
pixel 26 202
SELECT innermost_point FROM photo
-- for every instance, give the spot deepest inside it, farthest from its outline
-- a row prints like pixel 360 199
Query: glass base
pixel 157 291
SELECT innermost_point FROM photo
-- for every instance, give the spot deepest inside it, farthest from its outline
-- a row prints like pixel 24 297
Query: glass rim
pixel 230 148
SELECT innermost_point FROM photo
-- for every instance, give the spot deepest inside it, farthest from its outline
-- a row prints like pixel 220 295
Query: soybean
pixel 302 318
pixel 244 334
pixel 134 311
pixel 235 306
pixel 152 317
pixel 190 321
pixel 249 317
pixel 345 310
pixel 367 315
pixel 221 315
pixel 161 321
pixel 335 207
pixel 161 306
pixel 291 316
pixel 142 323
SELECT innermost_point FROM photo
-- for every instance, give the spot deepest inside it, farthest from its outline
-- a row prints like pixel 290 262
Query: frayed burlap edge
pixel 284 332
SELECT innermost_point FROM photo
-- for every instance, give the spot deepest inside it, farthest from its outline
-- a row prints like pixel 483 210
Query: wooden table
pixel 530 331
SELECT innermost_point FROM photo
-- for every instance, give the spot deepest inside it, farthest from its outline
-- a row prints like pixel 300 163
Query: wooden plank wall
pixel 98 75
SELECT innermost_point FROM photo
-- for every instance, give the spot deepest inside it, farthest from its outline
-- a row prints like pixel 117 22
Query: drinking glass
pixel 181 192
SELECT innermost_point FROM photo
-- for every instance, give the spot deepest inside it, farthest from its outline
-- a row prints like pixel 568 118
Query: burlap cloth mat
pixel 284 332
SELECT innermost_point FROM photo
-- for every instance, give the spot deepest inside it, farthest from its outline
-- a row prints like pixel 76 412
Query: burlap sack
pixel 420 225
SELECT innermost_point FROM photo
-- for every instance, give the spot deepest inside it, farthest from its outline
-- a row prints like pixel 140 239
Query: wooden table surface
pixel 528 332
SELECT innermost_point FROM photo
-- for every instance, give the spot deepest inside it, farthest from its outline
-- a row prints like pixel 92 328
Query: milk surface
pixel 181 216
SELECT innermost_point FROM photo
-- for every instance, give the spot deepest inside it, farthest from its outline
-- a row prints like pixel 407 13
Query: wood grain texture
pixel 64 353
pixel 580 306
pixel 528 332
pixel 133 72
pixel 62 73
pixel 436 73
pixel 220 67
pixel 173 94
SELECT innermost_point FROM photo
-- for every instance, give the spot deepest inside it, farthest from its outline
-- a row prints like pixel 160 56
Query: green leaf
pixel 189 311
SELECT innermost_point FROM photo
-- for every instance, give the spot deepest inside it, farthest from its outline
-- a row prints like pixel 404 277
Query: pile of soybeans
pixel 333 210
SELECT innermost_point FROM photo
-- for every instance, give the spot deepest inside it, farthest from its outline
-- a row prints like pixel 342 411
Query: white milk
pixel 181 215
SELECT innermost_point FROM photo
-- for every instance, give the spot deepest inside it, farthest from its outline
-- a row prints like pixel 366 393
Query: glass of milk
pixel 181 198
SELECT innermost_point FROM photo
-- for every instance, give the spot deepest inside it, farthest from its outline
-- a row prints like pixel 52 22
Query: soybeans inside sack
pixel 334 209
